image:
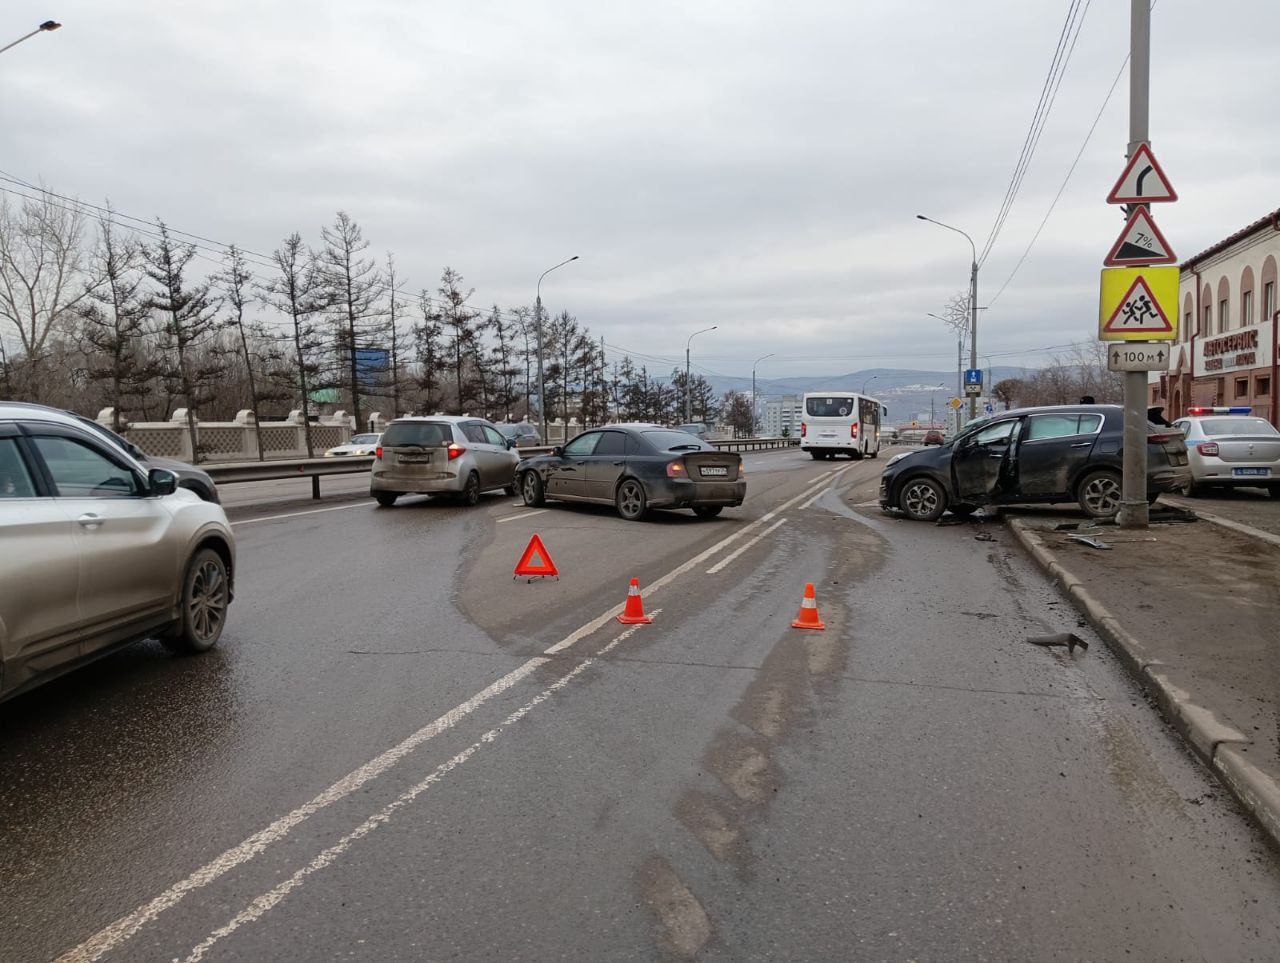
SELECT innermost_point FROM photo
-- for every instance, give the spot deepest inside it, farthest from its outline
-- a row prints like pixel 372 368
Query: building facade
pixel 783 414
pixel 1226 352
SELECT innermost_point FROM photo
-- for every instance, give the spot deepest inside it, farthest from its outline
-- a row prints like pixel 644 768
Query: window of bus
pixel 835 406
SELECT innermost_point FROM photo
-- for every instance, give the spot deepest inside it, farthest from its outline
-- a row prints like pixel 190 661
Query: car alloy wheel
pixel 471 494
pixel 922 499
pixel 1100 494
pixel 630 500
pixel 531 489
pixel 204 603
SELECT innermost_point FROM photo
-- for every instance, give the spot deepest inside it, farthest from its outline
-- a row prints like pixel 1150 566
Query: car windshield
pixel 665 439
pixel 1224 427
pixel 365 439
pixel 428 434
pixel 835 406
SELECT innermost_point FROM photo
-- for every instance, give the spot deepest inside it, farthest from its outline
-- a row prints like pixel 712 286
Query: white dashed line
pixel 516 518
pixel 309 511
pixel 729 558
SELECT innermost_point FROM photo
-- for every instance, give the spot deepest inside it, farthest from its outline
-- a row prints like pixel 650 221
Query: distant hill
pixel 904 391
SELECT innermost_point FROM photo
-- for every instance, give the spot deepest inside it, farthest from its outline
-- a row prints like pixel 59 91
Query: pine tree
pixel 351 285
pixel 459 320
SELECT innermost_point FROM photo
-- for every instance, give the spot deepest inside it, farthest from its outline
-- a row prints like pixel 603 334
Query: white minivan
pixel 840 422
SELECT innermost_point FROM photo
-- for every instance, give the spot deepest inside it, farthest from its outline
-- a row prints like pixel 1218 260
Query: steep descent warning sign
pixel 536 561
pixel 1140 243
pixel 1143 182
pixel 1138 304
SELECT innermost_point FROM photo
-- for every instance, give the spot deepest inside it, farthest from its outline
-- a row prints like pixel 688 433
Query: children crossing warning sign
pixel 536 561
pixel 1138 304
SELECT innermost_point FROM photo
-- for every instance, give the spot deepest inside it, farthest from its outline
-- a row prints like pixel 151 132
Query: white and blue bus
pixel 840 422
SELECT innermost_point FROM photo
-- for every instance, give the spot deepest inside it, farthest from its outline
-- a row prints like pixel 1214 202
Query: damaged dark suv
pixel 1049 455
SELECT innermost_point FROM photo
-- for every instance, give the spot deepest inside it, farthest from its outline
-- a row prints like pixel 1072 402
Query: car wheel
pixel 386 499
pixel 874 454
pixel 203 605
pixel 630 500
pixel 855 455
pixel 708 511
pixel 1191 490
pixel 962 511
pixel 471 491
pixel 1099 494
pixel 817 455
pixel 531 489
pixel 922 499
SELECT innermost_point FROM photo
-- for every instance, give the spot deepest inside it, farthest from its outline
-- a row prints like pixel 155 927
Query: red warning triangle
pixel 1143 182
pixel 1140 243
pixel 536 560
pixel 1138 311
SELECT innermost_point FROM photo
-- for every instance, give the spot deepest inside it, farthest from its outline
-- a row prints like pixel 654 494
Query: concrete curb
pixel 1218 744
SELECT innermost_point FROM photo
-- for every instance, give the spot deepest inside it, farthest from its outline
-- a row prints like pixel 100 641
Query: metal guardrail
pixel 316 468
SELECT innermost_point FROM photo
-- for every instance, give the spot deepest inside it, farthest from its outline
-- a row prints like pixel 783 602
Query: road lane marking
pixel 729 558
pixel 1230 523
pixel 814 498
pixel 114 934
pixel 272 898
pixel 309 511
pixel 516 518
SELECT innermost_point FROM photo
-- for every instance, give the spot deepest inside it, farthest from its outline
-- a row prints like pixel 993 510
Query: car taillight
pixel 675 469
pixel 803 429
pixel 1208 448
pixel 377 452
pixel 1159 438
pixel 455 451
pixel 853 431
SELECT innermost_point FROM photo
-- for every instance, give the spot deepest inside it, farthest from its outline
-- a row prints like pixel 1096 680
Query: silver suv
pixel 97 552
pixel 442 455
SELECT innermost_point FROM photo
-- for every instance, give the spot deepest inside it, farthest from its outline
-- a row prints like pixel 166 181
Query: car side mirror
pixel 558 451
pixel 161 481
pixel 511 443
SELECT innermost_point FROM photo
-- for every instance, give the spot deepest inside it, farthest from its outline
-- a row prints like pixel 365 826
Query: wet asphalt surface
pixel 914 782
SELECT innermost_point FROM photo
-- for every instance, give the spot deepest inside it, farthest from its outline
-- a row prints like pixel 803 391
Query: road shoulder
pixel 1191 610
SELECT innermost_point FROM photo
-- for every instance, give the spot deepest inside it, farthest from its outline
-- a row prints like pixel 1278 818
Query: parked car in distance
pixel 522 433
pixel 442 454
pixel 359 445
pixel 1032 455
pixel 636 468
pixel 98 552
pixel 1230 448
pixel 934 437
pixel 189 476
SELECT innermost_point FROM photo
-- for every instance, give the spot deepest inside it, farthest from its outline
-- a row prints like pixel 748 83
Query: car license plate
pixel 716 471
pixel 413 459
pixel 1252 472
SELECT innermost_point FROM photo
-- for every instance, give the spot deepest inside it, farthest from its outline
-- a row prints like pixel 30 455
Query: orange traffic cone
pixel 808 617
pixel 633 614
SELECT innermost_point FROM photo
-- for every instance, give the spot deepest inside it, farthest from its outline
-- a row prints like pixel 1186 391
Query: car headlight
pixel 897 458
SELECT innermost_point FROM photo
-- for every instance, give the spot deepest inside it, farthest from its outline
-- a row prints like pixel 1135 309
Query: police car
pixel 1230 447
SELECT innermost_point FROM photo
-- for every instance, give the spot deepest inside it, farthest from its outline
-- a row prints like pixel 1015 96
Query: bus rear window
pixel 833 407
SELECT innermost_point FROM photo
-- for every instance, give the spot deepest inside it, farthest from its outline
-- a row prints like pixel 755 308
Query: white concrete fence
pixel 234 441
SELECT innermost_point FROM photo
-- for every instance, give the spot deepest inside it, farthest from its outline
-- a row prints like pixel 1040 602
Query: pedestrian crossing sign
pixel 1138 304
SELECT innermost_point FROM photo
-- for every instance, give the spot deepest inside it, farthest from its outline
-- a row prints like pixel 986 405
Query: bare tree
pixel 460 321
pixel 236 282
pixel 352 285
pixel 189 313
pixel 393 322
pixel 428 335
pixel 42 279
pixel 297 291
pixel 114 319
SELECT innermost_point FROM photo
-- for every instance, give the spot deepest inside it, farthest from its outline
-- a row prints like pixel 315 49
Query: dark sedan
pixel 635 468
pixel 1032 455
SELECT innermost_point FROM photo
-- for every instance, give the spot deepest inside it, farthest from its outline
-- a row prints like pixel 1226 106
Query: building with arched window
pixel 1226 352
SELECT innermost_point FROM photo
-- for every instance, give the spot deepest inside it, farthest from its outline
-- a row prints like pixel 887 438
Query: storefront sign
pixel 1240 341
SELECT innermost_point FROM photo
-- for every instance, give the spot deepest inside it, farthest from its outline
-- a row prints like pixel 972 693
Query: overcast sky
pixel 754 165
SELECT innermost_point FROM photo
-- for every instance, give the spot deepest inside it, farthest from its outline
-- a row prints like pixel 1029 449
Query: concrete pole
pixel 973 331
pixel 687 392
pixel 1133 494
pixel 542 394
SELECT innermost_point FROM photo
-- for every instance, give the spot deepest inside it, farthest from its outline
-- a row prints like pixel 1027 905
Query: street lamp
pixel 973 305
pixel 47 27
pixel 867 382
pixel 688 388
pixel 755 404
pixel 537 314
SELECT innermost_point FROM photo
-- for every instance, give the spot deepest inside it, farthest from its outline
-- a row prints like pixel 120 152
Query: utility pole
pixel 973 304
pixel 537 318
pixel 1133 486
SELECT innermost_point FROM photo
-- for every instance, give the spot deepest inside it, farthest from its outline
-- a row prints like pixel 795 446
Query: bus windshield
pixel 834 406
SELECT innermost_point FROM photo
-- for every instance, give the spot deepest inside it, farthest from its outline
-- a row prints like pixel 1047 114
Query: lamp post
pixel 973 304
pixel 47 27
pixel 867 382
pixel 537 314
pixel 754 401
pixel 688 388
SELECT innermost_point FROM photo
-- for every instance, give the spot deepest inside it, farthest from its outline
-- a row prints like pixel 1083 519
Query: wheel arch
pixel 224 551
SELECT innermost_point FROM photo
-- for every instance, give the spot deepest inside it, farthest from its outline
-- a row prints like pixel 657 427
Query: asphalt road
pixel 400 752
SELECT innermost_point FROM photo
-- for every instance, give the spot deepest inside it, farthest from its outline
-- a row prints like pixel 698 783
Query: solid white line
pixel 270 899
pixel 515 518
pixel 309 511
pixel 729 558
pixel 814 498
pixel 124 928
